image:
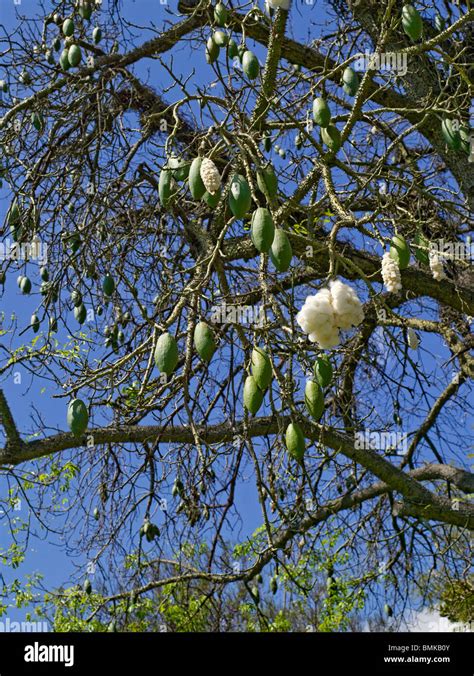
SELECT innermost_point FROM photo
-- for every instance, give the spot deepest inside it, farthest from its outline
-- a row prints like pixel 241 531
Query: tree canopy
pixel 238 295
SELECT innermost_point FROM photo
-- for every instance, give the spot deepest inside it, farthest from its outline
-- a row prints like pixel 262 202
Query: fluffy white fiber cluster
pixel 391 274
pixel 210 176
pixel 436 266
pixel 329 310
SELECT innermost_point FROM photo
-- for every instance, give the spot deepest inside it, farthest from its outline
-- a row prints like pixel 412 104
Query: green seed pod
pixel 165 189
pixel 314 399
pixel 212 200
pixel 166 353
pixel 220 38
pixel 241 49
pixel 321 112
pixel 85 9
pixel 294 441
pixel 422 254
pixel 74 55
pixel 196 186
pixel 63 60
pixel 45 288
pixel 232 49
pixel 412 22
pixel 204 341
pixel 35 323
pixel 253 395
pixel 331 136
pixel 240 198
pixel 262 229
pixel 77 417
pixel 212 51
pixel 400 251
pixel 281 252
pixel 250 65
pixel 80 313
pixel 261 368
pixel 350 81
pixel 87 586
pixel 14 215
pixel 267 180
pixel 25 77
pixel 68 27
pixel 323 370
pixel 221 14
pixel 179 168
pixel 108 285
pixel 25 285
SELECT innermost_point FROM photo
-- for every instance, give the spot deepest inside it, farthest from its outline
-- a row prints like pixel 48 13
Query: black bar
pixel 316 653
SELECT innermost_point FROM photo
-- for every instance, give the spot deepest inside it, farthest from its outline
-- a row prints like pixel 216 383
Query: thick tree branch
pixel 436 507
pixel 14 443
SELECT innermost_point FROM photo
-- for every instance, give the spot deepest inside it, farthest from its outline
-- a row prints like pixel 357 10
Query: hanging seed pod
pixel 166 353
pixel 212 51
pixel 250 65
pixel 314 399
pixel 221 14
pixel 323 370
pixel 253 395
pixel 350 81
pixel 321 112
pixel 294 441
pixel 261 368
